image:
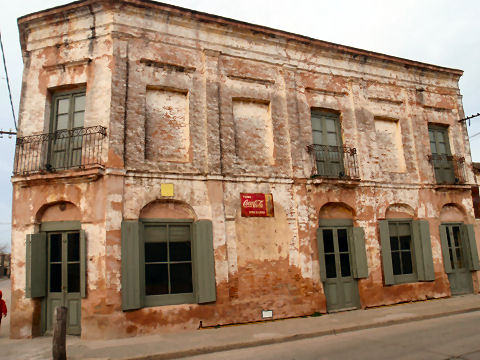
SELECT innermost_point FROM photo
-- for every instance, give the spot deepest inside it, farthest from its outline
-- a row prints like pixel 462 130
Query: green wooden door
pixel 67 120
pixel 64 278
pixel 455 253
pixel 441 155
pixel 341 289
pixel 329 150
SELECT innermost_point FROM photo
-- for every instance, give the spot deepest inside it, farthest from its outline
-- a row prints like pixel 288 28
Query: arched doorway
pixel 456 249
pixel 61 246
pixel 342 256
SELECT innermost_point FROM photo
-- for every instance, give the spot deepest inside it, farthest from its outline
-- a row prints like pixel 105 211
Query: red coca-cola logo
pixel 255 204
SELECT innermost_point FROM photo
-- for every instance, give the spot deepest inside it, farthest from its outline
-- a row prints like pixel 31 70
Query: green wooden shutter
pixel 36 265
pixel 386 253
pixel 83 264
pixel 423 250
pixel 28 266
pixel 417 250
pixel 133 269
pixel 445 251
pixel 204 262
pixel 359 253
pixel 321 255
pixel 468 233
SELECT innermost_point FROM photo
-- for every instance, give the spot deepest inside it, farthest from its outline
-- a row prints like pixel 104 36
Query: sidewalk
pixel 171 346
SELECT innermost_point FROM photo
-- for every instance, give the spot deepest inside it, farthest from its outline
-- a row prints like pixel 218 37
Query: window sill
pixel 87 174
pixel 173 299
pixel 405 279
pixel 347 182
pixel 446 187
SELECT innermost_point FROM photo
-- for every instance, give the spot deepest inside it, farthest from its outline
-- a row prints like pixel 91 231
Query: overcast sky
pixel 440 32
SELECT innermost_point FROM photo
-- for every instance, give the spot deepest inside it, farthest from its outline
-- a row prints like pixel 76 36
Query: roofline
pixel 206 17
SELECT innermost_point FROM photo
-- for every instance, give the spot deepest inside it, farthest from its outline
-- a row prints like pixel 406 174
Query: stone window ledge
pixel 332 181
pixel 449 187
pixel 70 176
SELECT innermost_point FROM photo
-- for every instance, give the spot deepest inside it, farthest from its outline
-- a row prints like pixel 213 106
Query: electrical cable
pixel 8 82
pixel 476 134
pixel 469 117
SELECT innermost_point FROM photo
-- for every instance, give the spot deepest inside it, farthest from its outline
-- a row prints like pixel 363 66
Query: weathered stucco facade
pixel 218 107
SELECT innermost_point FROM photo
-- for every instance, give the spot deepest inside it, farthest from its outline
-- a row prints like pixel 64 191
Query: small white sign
pixel 267 314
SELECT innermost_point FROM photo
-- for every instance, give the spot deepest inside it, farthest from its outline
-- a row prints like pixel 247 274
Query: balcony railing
pixel 448 169
pixel 63 149
pixel 337 162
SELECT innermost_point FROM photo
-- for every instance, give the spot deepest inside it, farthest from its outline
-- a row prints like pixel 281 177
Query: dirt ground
pixel 5 287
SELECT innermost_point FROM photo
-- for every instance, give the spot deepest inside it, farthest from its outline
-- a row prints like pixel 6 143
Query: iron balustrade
pixel 60 150
pixel 448 169
pixel 338 162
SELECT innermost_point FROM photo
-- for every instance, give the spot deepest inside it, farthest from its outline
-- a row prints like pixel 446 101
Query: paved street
pixel 451 337
pixel 432 329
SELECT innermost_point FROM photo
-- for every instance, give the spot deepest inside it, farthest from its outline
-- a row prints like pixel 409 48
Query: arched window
pixel 406 247
pixel 167 260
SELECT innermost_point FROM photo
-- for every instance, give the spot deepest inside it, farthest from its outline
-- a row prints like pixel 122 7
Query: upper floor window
pixel 65 147
pixel 328 141
pixel 448 169
pixel 331 158
pixel 67 144
pixel 69 111
pixel 441 155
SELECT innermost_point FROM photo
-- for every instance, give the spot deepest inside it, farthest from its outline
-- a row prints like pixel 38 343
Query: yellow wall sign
pixel 166 189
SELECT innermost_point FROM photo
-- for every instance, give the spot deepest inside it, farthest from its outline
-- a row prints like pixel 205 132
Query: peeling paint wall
pixel 217 108
pixel 167 130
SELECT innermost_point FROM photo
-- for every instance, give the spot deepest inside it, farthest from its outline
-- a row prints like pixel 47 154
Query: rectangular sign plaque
pixel 257 205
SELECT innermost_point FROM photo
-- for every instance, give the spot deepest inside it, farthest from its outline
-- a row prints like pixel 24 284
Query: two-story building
pixel 177 170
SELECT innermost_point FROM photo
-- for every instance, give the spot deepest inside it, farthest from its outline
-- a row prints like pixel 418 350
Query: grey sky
pixel 440 32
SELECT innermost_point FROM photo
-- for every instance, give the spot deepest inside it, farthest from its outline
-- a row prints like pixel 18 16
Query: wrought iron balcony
pixel 63 149
pixel 336 162
pixel 448 169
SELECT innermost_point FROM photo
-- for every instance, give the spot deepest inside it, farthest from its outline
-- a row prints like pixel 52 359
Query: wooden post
pixel 59 348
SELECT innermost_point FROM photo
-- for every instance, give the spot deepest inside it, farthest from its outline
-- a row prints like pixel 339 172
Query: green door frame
pixel 64 228
pixel 347 283
pixel 458 255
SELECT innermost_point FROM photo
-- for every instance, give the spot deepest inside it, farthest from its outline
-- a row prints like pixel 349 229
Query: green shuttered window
pixel 449 244
pixel 37 260
pixel 167 262
pixel 406 251
pixel 356 242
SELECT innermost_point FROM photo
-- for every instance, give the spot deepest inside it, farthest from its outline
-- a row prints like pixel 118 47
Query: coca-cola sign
pixel 256 204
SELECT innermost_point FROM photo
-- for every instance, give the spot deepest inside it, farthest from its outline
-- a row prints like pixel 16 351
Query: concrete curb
pixel 298 336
